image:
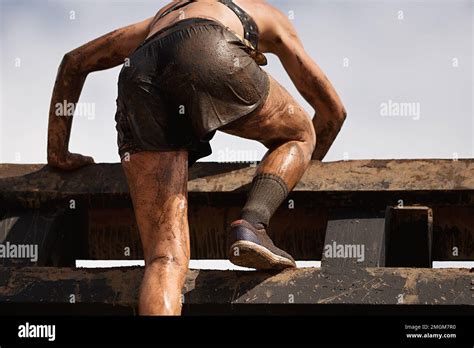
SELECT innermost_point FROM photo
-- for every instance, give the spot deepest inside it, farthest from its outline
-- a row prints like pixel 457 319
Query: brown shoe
pixel 251 247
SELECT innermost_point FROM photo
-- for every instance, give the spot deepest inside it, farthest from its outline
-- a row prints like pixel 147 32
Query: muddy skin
pixel 105 52
pixel 158 188
pixel 285 129
pixel 326 133
pixel 315 90
pixel 329 117
pixel 158 180
pixel 287 161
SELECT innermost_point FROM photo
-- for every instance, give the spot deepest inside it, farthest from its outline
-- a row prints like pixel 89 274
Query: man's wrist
pixel 57 154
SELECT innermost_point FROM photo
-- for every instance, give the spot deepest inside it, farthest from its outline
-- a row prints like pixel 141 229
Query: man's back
pixel 259 11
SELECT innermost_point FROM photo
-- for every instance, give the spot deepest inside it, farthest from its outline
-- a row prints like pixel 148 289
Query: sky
pixel 402 68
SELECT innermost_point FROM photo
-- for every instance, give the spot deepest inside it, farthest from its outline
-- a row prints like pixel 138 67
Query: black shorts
pixel 182 84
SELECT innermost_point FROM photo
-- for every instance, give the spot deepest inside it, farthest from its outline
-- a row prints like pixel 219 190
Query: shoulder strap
pixel 250 27
pixel 175 7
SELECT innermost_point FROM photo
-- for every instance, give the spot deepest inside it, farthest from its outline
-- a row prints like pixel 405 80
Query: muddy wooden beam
pixel 409 236
pixel 354 240
pixel 217 192
pixel 370 286
pixel 41 237
pixel 34 185
pixel 300 231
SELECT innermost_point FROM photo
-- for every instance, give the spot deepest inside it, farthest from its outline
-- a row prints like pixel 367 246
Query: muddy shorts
pixel 181 85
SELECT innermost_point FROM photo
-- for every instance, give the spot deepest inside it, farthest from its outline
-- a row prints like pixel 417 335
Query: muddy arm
pixel 311 82
pixel 103 53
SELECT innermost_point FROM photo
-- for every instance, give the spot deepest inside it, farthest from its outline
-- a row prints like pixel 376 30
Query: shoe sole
pixel 252 255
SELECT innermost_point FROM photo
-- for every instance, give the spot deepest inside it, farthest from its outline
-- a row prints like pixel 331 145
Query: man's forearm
pixel 330 112
pixel 318 91
pixel 67 90
pixel 327 126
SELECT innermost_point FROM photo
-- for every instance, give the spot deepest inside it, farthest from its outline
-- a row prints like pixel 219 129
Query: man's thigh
pixel 279 120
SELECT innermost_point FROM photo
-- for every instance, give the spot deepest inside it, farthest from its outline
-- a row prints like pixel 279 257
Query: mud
pixel 365 286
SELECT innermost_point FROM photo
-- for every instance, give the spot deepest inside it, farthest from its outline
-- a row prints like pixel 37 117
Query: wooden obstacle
pixel 404 213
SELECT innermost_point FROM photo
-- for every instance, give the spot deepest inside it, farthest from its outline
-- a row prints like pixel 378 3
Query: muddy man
pixel 189 71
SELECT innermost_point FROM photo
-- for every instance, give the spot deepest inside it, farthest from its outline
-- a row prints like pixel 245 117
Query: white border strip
pixel 227 265
pixel 193 264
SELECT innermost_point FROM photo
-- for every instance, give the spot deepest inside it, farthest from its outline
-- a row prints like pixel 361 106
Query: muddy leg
pixel 158 188
pixel 286 130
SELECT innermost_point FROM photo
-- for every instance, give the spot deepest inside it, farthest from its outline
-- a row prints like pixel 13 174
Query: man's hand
pixel 69 161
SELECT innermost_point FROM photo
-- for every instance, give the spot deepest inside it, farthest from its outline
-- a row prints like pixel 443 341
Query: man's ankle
pixel 266 195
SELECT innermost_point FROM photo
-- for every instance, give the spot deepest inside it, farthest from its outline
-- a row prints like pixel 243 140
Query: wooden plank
pixel 453 233
pixel 217 191
pixel 369 286
pixel 409 236
pixel 356 240
pixel 40 237
pixel 37 181
pixel 113 234
pixel 300 231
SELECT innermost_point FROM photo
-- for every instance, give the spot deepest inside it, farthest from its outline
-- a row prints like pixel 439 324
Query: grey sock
pixel 267 193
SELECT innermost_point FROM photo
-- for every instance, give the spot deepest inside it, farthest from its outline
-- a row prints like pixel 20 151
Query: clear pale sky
pixel 374 52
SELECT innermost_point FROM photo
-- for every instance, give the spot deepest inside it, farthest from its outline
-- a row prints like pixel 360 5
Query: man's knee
pixel 309 137
pixel 306 139
pixel 166 260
